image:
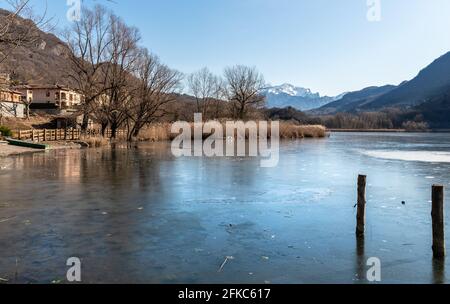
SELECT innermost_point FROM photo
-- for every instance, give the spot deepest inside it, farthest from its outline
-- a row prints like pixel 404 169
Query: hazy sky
pixel 326 45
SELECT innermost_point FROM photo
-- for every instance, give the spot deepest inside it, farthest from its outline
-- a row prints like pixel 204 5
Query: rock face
pixel 43 62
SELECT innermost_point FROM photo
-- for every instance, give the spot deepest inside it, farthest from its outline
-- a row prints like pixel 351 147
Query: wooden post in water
pixel 361 214
pixel 437 215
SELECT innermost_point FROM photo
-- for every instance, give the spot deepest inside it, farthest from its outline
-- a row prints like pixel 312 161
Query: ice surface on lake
pixel 419 156
pixel 149 217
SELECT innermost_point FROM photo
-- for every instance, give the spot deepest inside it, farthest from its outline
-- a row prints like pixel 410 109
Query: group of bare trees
pixel 126 86
pixel 240 88
pixel 123 84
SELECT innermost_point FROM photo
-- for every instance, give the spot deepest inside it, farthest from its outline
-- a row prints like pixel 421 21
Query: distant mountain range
pixel 287 95
pixel 353 100
pixel 426 94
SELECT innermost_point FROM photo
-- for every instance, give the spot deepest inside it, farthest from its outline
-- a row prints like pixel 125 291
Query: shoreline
pixel 10 150
pixel 367 130
pixel 386 131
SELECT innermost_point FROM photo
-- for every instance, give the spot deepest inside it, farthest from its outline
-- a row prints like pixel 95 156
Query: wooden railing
pixel 46 135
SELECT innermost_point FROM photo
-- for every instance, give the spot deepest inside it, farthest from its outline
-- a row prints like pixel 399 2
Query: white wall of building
pixel 12 109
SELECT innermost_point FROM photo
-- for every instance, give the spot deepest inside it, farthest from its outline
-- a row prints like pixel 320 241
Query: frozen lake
pixel 142 216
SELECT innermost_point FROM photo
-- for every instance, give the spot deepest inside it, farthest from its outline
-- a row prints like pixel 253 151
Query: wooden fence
pixel 47 135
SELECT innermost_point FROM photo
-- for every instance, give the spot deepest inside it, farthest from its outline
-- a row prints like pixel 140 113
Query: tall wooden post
pixel 361 214
pixel 437 215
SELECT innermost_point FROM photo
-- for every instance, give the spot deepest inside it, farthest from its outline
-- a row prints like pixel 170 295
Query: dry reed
pixel 96 142
pixel 161 132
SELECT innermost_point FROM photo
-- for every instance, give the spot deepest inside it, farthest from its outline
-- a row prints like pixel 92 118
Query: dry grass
pixel 156 132
pixel 35 121
pixel 161 132
pixel 293 131
pixel 96 142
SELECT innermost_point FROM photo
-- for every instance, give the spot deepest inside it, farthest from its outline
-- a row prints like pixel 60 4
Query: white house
pixel 10 103
pixel 50 96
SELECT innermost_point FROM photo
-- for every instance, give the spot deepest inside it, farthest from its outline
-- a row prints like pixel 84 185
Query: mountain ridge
pixel 288 95
pixel 44 62
pixel 432 83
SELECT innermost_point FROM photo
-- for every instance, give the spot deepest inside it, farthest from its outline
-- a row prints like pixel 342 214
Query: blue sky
pixel 326 45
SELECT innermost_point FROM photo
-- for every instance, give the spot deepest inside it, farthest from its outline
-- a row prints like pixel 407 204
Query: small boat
pixel 27 144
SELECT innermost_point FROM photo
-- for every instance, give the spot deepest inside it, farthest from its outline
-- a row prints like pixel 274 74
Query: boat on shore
pixel 27 144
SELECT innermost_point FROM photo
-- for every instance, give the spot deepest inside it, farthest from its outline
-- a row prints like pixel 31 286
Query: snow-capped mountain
pixel 287 95
pixel 291 90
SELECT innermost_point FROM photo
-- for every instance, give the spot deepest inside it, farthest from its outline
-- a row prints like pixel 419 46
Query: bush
pixel 5 131
pixel 415 126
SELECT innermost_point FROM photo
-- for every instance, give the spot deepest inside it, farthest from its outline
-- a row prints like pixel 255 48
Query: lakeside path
pixel 10 150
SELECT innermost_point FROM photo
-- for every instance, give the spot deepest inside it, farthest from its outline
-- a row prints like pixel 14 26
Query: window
pixel 63 96
pixel 48 94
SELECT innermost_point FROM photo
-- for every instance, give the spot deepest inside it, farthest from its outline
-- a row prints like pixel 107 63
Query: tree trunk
pixel 104 127
pixel 137 131
pixel 114 128
pixel 27 108
pixel 242 111
pixel 134 132
pixel 85 123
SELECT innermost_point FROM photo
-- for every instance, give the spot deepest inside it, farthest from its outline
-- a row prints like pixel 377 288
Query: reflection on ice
pixel 419 156
pixel 148 217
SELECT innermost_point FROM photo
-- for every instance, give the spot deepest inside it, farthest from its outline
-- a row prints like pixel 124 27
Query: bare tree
pixel 88 40
pixel 206 88
pixel 104 52
pixel 27 101
pixel 243 86
pixel 156 87
pixel 123 53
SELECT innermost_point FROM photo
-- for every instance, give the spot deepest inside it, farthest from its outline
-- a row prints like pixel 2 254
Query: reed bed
pixel 292 131
pixel 161 132
pixel 156 132
pixel 96 142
